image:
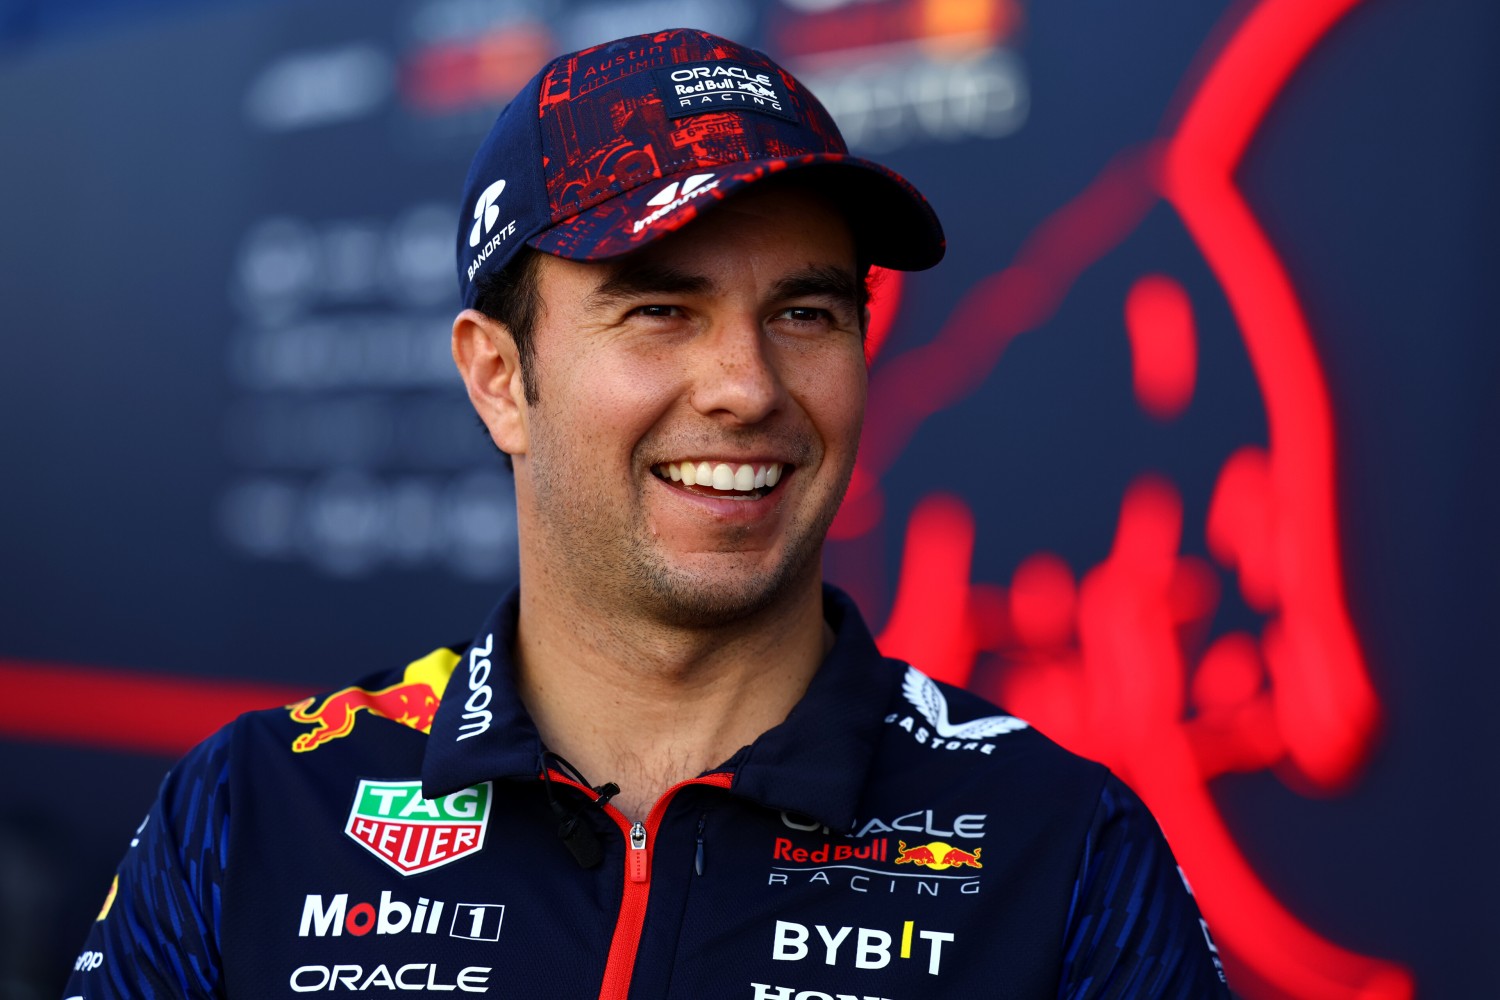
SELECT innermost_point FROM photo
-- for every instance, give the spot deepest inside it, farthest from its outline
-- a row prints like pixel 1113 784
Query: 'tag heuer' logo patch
pixel 394 822
pixel 722 85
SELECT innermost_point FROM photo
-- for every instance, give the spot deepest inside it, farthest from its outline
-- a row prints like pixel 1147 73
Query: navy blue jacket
pixel 894 838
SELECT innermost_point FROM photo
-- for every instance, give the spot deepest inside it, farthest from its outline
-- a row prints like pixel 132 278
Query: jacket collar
pixel 481 730
pixel 813 764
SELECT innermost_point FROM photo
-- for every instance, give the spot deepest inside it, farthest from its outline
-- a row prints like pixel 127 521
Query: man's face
pixel 698 408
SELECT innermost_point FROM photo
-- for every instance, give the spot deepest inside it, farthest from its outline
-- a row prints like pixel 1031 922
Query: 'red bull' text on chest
pixel 925 857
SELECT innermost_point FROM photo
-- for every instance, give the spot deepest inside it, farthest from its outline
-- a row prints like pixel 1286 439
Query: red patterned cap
pixel 612 147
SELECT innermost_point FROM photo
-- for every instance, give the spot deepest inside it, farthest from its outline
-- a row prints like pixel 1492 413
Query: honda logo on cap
pixel 668 194
pixel 669 199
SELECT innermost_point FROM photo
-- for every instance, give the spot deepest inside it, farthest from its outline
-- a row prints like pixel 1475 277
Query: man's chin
pixel 715 600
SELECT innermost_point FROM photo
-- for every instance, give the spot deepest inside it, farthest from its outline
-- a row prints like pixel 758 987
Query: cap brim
pixel 893 224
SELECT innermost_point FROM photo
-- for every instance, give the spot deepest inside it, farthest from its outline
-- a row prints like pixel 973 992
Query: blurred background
pixel 1180 454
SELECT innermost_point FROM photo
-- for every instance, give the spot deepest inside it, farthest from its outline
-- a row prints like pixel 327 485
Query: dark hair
pixel 512 296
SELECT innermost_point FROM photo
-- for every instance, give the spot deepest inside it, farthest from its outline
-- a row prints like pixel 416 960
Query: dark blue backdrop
pixel 234 447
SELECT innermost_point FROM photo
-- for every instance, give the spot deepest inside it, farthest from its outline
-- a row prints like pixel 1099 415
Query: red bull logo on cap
pixel 412 703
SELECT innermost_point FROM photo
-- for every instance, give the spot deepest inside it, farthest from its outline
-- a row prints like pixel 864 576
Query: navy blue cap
pixel 614 146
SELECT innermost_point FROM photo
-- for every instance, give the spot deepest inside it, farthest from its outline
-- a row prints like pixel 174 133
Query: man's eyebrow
pixel 822 281
pixel 635 280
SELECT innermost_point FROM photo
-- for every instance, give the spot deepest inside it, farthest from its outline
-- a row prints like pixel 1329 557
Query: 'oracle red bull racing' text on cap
pixel 612 147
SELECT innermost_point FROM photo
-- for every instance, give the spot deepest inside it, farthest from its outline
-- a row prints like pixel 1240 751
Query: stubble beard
pixel 613 564
pixel 683 599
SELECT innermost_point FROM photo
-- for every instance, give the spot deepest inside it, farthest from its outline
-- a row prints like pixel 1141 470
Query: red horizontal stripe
pixel 128 710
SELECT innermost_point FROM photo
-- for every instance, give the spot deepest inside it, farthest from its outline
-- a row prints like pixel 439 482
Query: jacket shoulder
pixel 408 696
pixel 940 721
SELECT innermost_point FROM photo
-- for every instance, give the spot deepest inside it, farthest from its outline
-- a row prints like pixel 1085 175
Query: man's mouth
pixel 730 480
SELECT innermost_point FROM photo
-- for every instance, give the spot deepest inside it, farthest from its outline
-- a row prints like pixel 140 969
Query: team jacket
pixel 894 838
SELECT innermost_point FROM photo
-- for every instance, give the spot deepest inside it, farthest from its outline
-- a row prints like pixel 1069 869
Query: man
pixel 663 262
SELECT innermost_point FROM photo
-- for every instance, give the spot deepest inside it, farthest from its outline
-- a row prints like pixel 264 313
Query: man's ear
pixel 487 359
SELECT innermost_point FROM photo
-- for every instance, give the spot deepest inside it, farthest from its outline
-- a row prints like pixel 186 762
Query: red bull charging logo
pixel 1120 661
pixel 936 855
pixel 412 703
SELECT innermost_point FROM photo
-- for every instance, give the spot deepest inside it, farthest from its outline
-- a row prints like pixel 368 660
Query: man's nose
pixel 736 374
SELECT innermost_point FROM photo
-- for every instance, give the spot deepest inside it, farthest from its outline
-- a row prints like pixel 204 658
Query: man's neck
pixel 647 705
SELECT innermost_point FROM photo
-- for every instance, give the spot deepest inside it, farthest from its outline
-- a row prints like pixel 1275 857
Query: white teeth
pixel 742 478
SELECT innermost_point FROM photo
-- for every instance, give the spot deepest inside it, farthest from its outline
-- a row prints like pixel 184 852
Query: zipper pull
pixel 638 864
pixel 698 855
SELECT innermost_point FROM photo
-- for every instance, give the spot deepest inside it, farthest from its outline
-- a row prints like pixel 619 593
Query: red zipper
pixel 639 840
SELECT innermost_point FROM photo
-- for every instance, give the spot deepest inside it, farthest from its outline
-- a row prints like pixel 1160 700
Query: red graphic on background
pixel 1117 664
pixel 135 711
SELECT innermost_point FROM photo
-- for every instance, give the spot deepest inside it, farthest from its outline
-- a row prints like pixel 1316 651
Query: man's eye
pixel 807 314
pixel 657 311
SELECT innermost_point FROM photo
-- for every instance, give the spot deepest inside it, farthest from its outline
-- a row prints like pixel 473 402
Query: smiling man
pixel 664 262
pixel 681 436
